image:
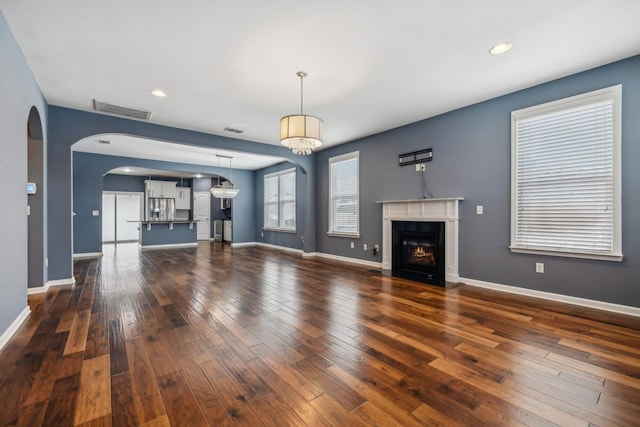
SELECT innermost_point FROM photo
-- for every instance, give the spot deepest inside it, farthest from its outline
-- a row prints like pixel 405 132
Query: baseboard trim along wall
pixel 349 260
pixel 583 302
pixel 280 248
pixel 169 246
pixel 249 244
pixel 51 283
pixel 87 255
pixel 13 328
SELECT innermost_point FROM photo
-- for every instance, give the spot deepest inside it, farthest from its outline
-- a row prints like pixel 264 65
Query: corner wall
pixel 471 149
pixel 19 92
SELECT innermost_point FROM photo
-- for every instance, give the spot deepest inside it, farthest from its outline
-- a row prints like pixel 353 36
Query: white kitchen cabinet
pixel 183 198
pixel 165 189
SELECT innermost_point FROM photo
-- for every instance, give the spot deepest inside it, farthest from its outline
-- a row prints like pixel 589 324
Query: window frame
pixel 278 175
pixel 611 94
pixel 330 225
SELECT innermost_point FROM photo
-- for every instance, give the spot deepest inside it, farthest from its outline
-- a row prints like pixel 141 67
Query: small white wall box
pixel 32 188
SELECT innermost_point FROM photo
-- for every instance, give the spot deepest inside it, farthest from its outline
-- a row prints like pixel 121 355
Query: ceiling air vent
pixel 117 110
pixel 232 130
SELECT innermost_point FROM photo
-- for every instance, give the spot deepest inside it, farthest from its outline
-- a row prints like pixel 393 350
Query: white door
pixel 128 210
pixel 108 217
pixel 202 213
pixel 120 213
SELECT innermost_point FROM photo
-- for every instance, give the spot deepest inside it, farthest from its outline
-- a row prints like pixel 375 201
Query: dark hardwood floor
pixel 250 337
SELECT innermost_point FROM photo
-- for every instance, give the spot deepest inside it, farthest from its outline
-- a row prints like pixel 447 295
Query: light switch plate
pixel 479 210
pixel 95 213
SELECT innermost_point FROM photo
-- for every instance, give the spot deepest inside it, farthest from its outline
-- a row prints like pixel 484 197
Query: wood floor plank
pixel 182 407
pixel 77 340
pixel 252 336
pixel 123 412
pixel 60 410
pixel 94 395
pixel 147 399
pixel 204 393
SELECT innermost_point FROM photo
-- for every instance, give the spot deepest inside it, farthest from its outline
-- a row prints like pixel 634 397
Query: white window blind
pixel 280 200
pixel 565 177
pixel 343 195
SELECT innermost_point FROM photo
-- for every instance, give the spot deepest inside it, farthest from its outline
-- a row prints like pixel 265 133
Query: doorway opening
pixel 121 216
pixel 37 261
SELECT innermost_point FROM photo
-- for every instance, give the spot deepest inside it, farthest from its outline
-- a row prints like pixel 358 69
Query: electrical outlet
pixel 539 267
pixel 364 246
pixel 353 245
pixel 262 234
pixel 46 262
pixel 417 168
pixel 479 210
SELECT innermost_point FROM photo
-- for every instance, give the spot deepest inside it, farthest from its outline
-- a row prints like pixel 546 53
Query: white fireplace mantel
pixel 427 210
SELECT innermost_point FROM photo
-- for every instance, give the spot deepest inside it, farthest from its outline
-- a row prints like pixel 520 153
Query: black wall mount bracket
pixel 420 156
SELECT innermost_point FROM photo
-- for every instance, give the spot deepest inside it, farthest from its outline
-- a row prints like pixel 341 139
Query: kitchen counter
pixel 167 234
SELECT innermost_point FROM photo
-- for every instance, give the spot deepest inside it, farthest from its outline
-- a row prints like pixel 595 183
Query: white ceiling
pixel 373 65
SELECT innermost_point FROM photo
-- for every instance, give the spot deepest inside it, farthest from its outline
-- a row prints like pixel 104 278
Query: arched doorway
pixel 36 200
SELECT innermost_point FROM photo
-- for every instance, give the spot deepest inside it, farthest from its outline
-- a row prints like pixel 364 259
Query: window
pixel 565 177
pixel 343 195
pixel 280 201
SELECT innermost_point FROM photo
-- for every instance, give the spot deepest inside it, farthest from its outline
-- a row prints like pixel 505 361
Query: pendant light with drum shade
pixel 221 191
pixel 299 132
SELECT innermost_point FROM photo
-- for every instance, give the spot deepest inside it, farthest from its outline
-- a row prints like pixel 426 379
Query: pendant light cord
pixel 302 75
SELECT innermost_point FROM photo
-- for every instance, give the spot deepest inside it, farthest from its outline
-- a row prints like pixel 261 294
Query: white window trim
pixel 342 157
pixel 279 229
pixel 611 93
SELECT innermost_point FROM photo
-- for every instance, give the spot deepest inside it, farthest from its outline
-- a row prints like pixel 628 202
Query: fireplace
pixel 445 210
pixel 419 251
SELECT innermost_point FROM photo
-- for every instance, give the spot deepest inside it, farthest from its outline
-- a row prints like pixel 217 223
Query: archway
pixel 36 200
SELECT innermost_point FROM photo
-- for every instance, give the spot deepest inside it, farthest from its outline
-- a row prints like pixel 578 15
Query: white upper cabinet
pixel 166 189
pixel 183 198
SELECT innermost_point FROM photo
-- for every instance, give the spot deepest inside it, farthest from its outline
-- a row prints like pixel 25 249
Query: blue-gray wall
pixel 128 183
pixel 19 92
pixel 280 238
pixel 471 149
pixel 67 126
pixel 88 173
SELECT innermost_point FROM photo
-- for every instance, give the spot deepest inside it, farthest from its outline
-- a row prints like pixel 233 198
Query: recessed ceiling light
pixel 198 175
pixel 501 48
pixel 127 170
pixel 159 93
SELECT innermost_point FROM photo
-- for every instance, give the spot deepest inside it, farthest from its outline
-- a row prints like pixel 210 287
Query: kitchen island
pixel 167 234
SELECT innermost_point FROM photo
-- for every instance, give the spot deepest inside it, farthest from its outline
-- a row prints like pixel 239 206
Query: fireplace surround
pixel 444 210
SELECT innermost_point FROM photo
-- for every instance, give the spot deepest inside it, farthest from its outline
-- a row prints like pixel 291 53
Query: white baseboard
pixel 342 259
pixel 51 283
pixel 169 246
pixel 13 328
pixel 62 282
pixel 280 248
pixel 600 305
pixel 38 290
pixel 87 255
pixel 319 255
pixel 243 244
